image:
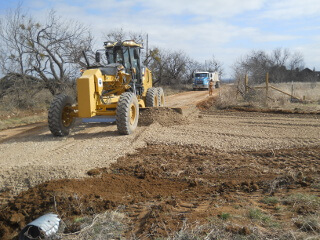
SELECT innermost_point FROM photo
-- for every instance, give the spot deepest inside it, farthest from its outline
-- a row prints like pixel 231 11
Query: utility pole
pixel 147 45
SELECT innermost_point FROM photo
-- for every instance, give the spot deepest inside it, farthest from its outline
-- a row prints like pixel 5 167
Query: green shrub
pixel 270 200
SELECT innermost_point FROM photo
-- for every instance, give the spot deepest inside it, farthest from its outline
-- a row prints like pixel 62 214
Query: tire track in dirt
pixel 22 131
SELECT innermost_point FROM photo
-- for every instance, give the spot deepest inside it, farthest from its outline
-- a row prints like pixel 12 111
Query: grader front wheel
pixel 127 113
pixel 161 97
pixel 60 115
pixel 152 99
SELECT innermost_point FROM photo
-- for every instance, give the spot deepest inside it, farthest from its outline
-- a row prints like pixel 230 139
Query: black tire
pixel 152 99
pixel 127 113
pixel 217 84
pixel 161 100
pixel 60 117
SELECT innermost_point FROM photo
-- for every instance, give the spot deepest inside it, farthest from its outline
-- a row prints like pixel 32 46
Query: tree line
pixel 48 55
pixel 282 65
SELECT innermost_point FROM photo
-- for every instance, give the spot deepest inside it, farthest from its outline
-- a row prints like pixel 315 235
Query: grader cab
pixel 117 89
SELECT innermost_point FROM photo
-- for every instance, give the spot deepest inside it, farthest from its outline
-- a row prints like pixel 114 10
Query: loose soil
pixel 164 116
pixel 168 184
pixel 175 169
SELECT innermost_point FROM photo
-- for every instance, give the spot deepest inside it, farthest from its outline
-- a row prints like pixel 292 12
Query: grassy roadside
pixel 255 99
pixel 20 119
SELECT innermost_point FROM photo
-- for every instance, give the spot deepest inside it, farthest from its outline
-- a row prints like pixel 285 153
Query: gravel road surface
pixel 30 155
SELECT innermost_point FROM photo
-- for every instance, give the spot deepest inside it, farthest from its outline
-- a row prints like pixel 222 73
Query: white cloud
pixel 200 28
pixel 292 9
pixel 258 36
pixel 216 9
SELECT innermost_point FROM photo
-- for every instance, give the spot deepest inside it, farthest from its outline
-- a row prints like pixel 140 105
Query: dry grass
pixel 170 90
pixel 221 230
pixel 303 203
pixel 107 225
pixel 310 223
pixel 308 90
pixel 34 110
pixel 230 97
pixel 19 120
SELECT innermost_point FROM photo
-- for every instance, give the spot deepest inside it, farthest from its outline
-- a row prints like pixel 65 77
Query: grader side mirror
pixel 98 57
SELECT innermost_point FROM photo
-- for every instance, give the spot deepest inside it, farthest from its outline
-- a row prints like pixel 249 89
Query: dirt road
pixel 180 100
pixel 31 155
pixel 190 159
pixel 187 99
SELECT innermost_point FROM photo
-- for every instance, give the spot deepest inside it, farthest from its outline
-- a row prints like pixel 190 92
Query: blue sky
pixel 227 29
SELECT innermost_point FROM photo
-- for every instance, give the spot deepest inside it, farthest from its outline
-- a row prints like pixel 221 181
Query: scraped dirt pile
pixel 206 103
pixel 161 186
pixel 162 115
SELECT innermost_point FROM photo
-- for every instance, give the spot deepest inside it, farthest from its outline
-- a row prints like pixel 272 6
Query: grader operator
pixel 117 89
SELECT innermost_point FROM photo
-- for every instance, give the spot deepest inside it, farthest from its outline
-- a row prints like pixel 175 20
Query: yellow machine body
pixel 88 88
pixel 147 81
pixel 116 89
pixel 92 83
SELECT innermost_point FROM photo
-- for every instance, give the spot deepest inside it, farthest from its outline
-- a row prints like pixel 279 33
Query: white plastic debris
pixel 46 225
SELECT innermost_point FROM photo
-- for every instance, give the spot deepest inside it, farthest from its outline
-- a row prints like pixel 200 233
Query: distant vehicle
pixel 201 80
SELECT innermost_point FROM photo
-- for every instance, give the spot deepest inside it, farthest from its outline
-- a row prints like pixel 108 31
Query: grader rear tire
pixel 161 97
pixel 60 117
pixel 127 113
pixel 152 99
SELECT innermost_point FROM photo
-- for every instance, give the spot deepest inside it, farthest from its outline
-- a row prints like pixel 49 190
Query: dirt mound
pixel 206 103
pixel 161 186
pixel 162 115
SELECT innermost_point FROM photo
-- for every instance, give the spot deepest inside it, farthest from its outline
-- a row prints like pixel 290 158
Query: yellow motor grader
pixel 117 89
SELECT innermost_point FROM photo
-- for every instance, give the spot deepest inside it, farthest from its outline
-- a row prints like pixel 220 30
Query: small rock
pixel 93 172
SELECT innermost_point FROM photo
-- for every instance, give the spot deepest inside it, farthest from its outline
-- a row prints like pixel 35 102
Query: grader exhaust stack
pixel 117 89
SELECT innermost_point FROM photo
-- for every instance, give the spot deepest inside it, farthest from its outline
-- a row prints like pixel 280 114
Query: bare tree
pixel 12 48
pixel 213 65
pixel 120 35
pixel 50 51
pixel 156 61
pixel 168 67
pixel 175 67
pixel 279 57
pixel 281 64
pixel 115 35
